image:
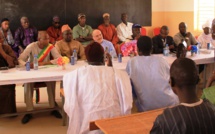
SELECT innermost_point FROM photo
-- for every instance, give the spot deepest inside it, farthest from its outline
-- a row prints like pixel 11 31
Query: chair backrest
pixel 156 31
pixel 143 31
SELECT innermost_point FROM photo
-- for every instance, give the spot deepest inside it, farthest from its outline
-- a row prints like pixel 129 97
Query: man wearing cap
pixel 109 30
pixel 67 45
pixel 5 30
pixel 82 32
pixel 43 50
pixel 24 35
pixel 124 29
pixel 97 37
pixel 205 37
pixel 95 92
pixel 160 41
pixel 183 36
pixel 54 31
pixel 130 47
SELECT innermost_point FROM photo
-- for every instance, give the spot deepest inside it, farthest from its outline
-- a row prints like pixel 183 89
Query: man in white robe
pixel 149 75
pixel 95 92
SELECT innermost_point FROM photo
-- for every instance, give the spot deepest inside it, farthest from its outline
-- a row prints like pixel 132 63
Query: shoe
pixel 56 114
pixel 26 118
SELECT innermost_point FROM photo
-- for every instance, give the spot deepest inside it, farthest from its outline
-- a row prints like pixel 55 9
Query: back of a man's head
pixel 184 73
pixel 144 44
pixel 94 52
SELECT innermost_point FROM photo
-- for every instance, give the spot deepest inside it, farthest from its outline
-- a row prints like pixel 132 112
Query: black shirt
pixel 159 43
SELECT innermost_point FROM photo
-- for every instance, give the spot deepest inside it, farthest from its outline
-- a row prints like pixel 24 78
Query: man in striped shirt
pixel 192 115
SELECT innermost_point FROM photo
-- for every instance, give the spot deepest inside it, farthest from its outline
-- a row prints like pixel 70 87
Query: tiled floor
pixel 42 123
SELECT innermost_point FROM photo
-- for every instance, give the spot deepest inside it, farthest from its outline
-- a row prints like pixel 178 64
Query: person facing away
pixel 149 76
pixel 54 31
pixel 192 115
pixel 44 51
pixel 95 92
pixel 183 36
pixel 205 37
pixel 7 92
pixel 108 30
pixel 5 30
pixel 67 45
pixel 124 29
pixel 82 32
pixel 24 35
pixel 181 51
pixel 97 37
pixel 160 41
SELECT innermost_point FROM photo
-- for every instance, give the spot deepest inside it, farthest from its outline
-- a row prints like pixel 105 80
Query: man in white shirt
pixel 107 45
pixel 124 29
pixel 205 37
pixel 95 92
pixel 149 75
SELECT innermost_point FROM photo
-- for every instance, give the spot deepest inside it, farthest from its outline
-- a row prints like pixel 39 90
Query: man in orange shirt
pixel 54 31
pixel 109 30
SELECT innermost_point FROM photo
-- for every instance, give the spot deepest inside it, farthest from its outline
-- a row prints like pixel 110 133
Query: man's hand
pixel 21 49
pixel 109 59
pixel 171 47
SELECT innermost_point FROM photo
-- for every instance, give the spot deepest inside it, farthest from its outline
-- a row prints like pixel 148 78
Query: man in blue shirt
pixel 107 45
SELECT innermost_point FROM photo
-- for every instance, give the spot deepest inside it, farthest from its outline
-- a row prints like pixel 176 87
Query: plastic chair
pixel 143 31
pixel 156 31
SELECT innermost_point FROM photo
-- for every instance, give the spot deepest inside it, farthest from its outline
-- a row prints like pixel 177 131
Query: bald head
pixel 24 22
pixel 97 36
pixel 43 39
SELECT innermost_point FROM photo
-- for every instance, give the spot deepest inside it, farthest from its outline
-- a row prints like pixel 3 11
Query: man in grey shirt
pixel 184 36
pixel 44 51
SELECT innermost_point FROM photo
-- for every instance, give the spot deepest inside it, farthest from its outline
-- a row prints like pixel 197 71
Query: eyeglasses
pixel 57 22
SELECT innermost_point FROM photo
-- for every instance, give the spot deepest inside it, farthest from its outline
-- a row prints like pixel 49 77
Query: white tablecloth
pixel 55 73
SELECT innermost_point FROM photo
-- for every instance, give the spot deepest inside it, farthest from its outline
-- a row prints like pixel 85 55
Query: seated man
pixel 44 51
pixel 95 92
pixel 193 115
pixel 184 37
pixel 97 37
pixel 82 32
pixel 7 92
pixel 124 29
pixel 67 45
pixel 24 35
pixel 149 75
pixel 130 47
pixel 54 31
pixel 160 41
pixel 5 30
pixel 109 31
pixel 205 37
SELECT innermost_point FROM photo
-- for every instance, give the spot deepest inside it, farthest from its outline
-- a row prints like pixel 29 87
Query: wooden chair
pixel 38 85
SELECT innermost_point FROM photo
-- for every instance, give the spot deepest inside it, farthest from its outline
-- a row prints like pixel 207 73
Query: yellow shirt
pixel 67 48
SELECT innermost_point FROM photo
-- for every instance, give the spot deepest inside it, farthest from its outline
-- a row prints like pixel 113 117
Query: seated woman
pixel 7 92
pixel 95 91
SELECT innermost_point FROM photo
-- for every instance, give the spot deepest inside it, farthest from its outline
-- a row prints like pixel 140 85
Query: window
pixel 203 11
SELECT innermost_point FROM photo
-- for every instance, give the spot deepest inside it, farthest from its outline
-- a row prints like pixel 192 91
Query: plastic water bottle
pixel 75 55
pixel 35 62
pixel 72 60
pixel 198 48
pixel 166 50
pixel 112 53
pixel 120 58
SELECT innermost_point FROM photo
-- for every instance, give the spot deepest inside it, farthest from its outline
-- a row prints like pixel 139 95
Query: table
pixel 140 123
pixel 55 73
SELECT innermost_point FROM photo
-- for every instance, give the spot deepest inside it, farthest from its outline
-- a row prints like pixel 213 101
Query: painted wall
pixel 171 13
